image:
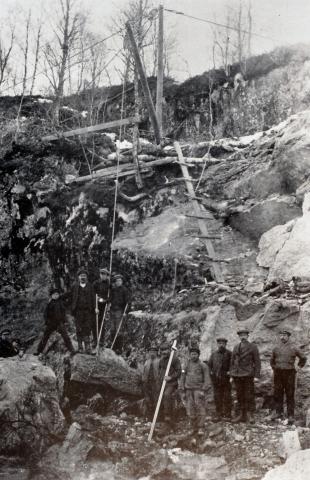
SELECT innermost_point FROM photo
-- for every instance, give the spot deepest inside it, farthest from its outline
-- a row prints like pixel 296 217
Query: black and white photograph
pixel 155 240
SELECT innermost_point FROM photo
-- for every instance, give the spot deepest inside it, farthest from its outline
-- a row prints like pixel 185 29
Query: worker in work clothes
pixel 102 290
pixel 82 299
pixel 120 297
pixel 149 381
pixel 195 381
pixel 172 378
pixel 244 367
pixel 282 361
pixel 55 319
pixel 219 365
pixel 6 345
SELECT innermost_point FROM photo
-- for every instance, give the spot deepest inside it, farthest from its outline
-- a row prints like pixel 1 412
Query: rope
pixel 117 176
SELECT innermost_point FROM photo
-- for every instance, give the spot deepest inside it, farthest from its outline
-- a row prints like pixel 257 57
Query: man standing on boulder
pixel 195 382
pixel 102 290
pixel 244 367
pixel 282 361
pixel 120 297
pixel 219 364
pixel 83 309
pixel 55 318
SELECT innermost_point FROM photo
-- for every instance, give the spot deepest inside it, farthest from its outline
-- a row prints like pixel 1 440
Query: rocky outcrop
pixel 107 369
pixel 297 466
pixel 285 250
pixel 30 414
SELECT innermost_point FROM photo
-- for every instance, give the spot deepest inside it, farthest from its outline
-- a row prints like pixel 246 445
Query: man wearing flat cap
pixel 219 365
pixel 102 290
pixel 6 347
pixel 195 382
pixel 283 360
pixel 120 297
pixel 55 321
pixel 82 299
pixel 244 367
pixel 160 366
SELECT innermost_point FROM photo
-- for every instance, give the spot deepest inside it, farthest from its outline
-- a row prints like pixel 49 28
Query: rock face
pixel 30 414
pixel 297 466
pixel 286 250
pixel 106 369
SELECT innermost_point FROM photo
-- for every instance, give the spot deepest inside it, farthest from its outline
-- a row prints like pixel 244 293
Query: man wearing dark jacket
pixel 149 381
pixel 83 309
pixel 55 318
pixel 195 382
pixel 160 367
pixel 6 346
pixel 102 291
pixel 244 367
pixel 120 297
pixel 219 365
pixel 282 362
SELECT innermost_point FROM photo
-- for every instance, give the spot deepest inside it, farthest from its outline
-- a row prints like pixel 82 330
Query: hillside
pixel 57 209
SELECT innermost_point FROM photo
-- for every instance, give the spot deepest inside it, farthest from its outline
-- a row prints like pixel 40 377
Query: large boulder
pixel 257 219
pixel 106 369
pixel 286 250
pixel 30 414
pixel 296 467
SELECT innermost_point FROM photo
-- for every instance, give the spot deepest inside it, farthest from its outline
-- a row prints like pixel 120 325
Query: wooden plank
pixel 197 209
pixel 92 128
pixel 111 171
pixel 145 86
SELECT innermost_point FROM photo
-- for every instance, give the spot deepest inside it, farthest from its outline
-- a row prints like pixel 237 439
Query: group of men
pixel 240 367
pixel 89 304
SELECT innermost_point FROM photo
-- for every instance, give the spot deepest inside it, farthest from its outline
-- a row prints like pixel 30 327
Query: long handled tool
pixel 97 319
pixel 173 349
pixel 119 327
pixel 101 326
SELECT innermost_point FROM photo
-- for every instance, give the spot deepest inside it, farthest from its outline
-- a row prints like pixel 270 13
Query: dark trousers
pixel 169 399
pixel 222 398
pixel 49 329
pixel 245 393
pixel 284 383
pixel 101 323
pixel 83 325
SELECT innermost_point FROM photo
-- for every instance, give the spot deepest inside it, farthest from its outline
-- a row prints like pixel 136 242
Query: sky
pixel 284 22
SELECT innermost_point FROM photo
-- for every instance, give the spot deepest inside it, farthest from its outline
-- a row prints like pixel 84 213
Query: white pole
pixel 173 349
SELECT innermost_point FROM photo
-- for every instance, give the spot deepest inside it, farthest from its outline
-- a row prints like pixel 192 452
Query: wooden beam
pixel 160 69
pixel 92 128
pixel 145 86
pixel 197 209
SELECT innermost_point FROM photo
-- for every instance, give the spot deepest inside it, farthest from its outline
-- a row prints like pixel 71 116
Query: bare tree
pixel 5 54
pixel 36 57
pixel 57 52
pixel 25 51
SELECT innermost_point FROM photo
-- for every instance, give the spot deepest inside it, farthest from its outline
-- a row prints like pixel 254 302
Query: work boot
pixel 276 416
pixel 290 420
pixel 240 418
pixel 250 418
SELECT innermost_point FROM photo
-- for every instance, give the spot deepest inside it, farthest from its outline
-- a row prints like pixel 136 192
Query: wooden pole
pixel 173 349
pixel 92 128
pixel 160 69
pixel 97 318
pixel 119 327
pixel 197 210
pixel 145 86
pixel 101 327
